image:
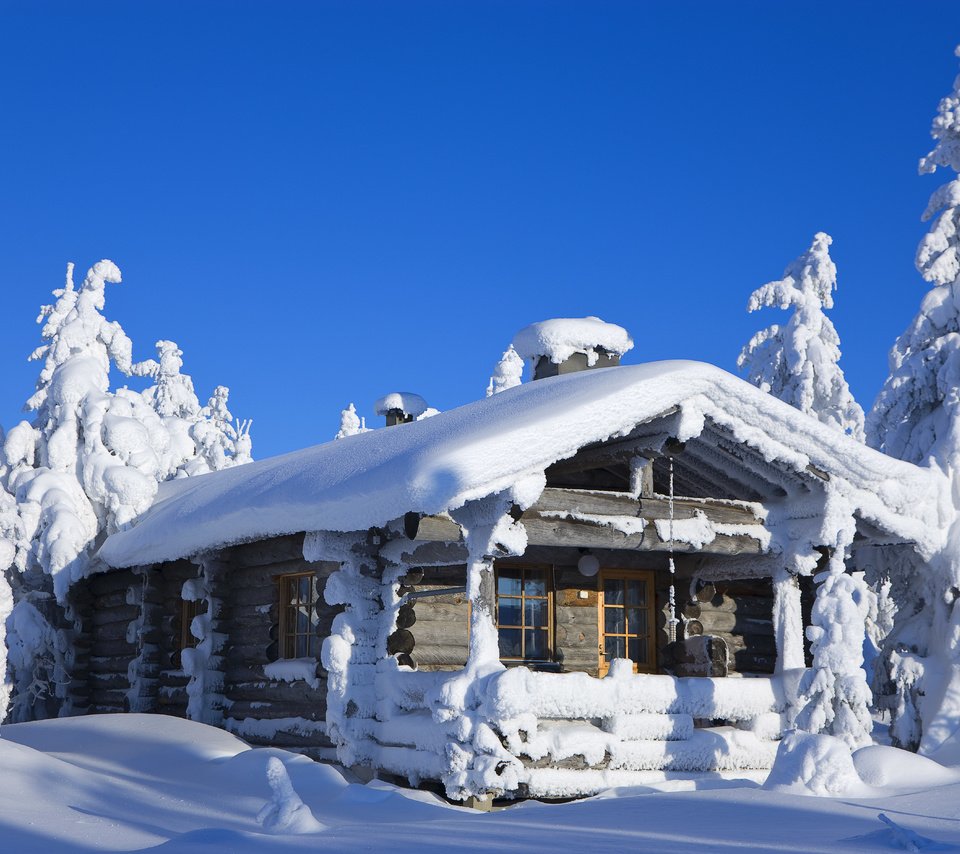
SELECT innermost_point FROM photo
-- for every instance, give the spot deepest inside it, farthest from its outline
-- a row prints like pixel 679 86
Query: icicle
pixel 672 622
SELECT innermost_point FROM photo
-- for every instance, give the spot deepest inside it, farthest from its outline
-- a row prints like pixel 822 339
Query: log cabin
pixel 596 578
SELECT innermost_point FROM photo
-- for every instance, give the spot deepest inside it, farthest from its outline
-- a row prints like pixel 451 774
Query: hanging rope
pixel 673 621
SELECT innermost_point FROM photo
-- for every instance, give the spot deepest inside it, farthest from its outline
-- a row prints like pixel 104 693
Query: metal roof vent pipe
pixel 401 407
pixel 565 345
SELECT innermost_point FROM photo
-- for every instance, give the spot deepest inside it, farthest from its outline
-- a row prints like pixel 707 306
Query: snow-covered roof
pixel 405 401
pixel 440 463
pixel 558 339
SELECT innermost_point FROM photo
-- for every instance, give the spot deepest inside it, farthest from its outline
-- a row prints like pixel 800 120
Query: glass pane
pixel 535 612
pixel 509 612
pixel 304 591
pixel 535 584
pixel 613 591
pixel 508 585
pixel 510 643
pixel 613 647
pixel 636 592
pixel 613 621
pixel 636 621
pixel 641 653
pixel 536 644
pixel 633 649
pixel 303 623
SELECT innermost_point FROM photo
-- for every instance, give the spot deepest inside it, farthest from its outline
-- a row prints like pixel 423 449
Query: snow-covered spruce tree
pixel 87 463
pixel 350 423
pixel 916 417
pixel 507 373
pixel 86 466
pixel 220 443
pixel 201 439
pixel 799 361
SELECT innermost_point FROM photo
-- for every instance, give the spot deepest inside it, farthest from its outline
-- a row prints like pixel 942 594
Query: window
pixel 524 623
pixel 189 608
pixel 627 619
pixel 298 615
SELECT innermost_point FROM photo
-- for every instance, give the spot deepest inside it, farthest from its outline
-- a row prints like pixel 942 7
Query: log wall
pixel 106 617
pixel 263 710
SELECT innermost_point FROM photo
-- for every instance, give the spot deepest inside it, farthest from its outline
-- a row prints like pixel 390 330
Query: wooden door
pixel 626 605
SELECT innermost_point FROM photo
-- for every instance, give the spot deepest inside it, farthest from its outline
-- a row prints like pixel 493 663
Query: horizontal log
pixel 104 583
pixel 431 655
pixel 745 606
pixel 265 552
pixel 580 534
pixel 623 504
pixel 103 649
pixel 761 645
pixel 402 640
pixel 714 622
pixel 439 608
pixel 115 602
pixel 441 633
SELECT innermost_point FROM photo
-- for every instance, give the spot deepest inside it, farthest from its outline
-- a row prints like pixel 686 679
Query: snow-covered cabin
pixel 575 582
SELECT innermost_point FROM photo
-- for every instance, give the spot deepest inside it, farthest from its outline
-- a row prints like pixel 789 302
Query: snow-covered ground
pixel 150 782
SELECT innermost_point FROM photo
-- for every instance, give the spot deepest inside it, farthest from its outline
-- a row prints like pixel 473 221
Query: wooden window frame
pixel 189 608
pixel 548 582
pixel 628 575
pixel 287 635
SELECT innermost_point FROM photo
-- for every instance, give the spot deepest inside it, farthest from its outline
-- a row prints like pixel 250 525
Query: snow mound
pixel 558 339
pixel 285 812
pixel 880 765
pixel 405 401
pixel 815 765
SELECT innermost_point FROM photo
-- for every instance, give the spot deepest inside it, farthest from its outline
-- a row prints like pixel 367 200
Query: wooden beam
pixel 598 525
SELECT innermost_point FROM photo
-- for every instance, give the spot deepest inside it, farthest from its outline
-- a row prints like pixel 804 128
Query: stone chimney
pixel 400 407
pixel 565 345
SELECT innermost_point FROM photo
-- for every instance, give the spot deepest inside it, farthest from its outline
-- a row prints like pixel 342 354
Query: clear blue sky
pixel 323 202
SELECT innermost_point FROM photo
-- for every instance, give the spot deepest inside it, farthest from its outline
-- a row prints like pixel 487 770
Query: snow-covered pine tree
pixel 87 465
pixel 220 443
pixel 916 417
pixel 799 361
pixel 350 423
pixel 507 373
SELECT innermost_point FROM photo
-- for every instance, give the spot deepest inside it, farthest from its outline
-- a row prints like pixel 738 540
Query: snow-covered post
pixel 834 696
pixel 356 642
pixel 787 621
pixel 488 530
pixel 204 663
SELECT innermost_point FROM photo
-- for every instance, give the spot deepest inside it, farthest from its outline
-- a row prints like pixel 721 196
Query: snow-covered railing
pixel 583 728
pixel 521 691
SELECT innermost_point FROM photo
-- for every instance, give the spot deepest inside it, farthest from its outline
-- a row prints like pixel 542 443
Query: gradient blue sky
pixel 323 202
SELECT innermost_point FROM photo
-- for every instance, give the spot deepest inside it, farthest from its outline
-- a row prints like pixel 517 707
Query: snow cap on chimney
pixel 400 407
pixel 567 344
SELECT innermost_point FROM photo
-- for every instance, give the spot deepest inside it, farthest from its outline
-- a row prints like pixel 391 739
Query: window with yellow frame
pixel 298 615
pixel 524 612
pixel 189 608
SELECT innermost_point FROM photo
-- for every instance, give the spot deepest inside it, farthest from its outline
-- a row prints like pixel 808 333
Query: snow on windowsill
pixel 293 670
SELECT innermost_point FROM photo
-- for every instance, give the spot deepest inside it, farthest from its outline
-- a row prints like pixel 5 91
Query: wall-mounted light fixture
pixel 588 564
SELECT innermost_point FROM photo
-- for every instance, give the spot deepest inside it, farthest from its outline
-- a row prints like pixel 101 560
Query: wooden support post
pixel 787 621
